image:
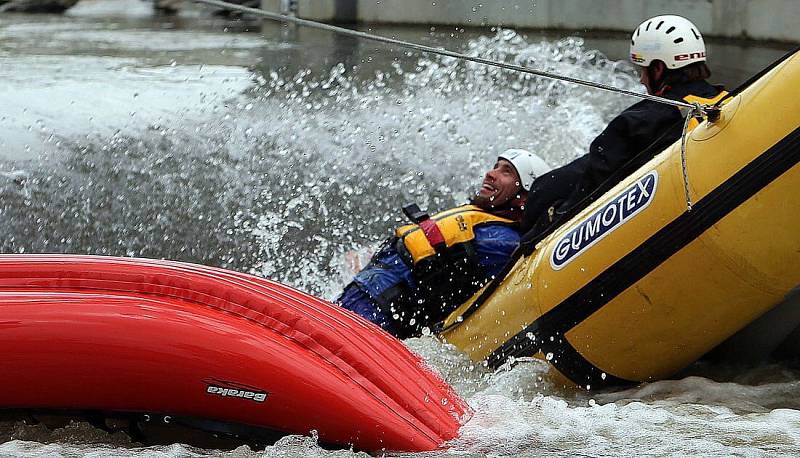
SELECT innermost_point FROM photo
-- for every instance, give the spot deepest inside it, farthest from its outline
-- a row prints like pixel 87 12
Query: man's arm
pixel 623 139
pixel 494 244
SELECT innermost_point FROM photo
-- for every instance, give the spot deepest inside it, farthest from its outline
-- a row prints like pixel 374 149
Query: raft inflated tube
pixel 636 287
pixel 110 334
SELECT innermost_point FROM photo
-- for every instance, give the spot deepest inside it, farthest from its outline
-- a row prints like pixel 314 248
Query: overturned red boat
pixel 209 349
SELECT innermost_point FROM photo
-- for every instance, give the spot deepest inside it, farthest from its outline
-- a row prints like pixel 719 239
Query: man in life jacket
pixel 670 55
pixel 432 265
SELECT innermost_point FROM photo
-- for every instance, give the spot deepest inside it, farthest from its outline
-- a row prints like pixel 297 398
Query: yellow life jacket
pixel 457 226
pixel 444 262
pixel 694 122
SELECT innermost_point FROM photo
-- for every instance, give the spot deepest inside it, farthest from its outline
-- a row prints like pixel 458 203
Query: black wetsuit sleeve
pixel 549 190
pixel 624 138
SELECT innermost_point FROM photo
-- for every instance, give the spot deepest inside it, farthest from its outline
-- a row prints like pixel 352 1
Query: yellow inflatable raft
pixel 636 286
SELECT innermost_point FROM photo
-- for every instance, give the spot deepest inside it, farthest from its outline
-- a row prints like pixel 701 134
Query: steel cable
pixel 442 52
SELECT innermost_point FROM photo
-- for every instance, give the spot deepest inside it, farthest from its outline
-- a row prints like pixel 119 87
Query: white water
pixel 107 122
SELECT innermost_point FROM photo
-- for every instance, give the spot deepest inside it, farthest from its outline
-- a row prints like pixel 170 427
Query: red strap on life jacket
pixel 432 233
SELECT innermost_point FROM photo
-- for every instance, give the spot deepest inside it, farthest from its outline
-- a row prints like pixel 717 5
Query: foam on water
pixel 112 96
pixel 549 424
pixel 111 8
pixel 525 411
pixel 80 37
pixel 281 173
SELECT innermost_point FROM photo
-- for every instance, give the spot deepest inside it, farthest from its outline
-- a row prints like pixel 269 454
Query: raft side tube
pixel 635 287
pixel 193 319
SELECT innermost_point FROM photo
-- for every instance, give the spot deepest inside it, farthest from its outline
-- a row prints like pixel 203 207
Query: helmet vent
pixel 678 40
pixel 659 25
pixel 648 26
pixel 696 36
pixel 638 29
pixel 670 30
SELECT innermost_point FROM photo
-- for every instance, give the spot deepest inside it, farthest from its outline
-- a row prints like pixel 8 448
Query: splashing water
pixel 305 166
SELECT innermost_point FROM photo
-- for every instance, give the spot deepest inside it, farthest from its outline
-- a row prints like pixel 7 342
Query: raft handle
pixel 713 113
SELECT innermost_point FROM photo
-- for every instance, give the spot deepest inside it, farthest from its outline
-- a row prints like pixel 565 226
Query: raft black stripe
pixel 721 201
pixel 575 367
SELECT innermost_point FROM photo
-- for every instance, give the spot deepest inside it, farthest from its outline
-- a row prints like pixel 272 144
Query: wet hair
pixel 697 71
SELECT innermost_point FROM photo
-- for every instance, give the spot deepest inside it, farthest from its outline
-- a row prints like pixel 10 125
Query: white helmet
pixel 528 165
pixel 673 40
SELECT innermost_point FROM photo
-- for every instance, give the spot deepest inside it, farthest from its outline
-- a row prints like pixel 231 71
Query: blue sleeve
pixel 385 270
pixel 494 244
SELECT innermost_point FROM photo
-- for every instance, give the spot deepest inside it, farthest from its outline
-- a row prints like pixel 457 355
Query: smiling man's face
pixel 500 186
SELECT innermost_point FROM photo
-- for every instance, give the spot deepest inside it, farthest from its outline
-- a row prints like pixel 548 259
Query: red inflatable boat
pixel 210 349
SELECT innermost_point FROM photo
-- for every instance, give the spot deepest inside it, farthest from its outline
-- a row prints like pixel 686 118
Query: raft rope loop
pixel 695 109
